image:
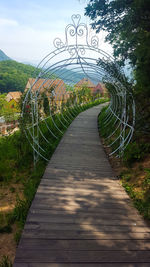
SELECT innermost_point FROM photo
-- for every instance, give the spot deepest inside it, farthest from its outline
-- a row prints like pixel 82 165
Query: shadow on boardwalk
pixel 81 216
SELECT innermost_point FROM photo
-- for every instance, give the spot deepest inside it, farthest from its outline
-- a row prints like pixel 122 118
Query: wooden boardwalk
pixel 81 216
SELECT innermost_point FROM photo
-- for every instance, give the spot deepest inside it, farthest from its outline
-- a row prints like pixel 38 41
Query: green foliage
pixel 9 110
pixel 115 71
pixel 106 130
pixel 5 262
pixel 127 26
pixel 5 229
pixel 141 198
pixel 146 182
pixel 45 104
pixel 103 130
pixel 2 103
pixel 18 236
pixel 126 23
pixel 69 88
pixel 15 156
pixel 20 211
pixel 14 75
pixel 135 152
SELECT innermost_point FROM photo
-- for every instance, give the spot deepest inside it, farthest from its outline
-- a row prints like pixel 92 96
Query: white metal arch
pixel 71 61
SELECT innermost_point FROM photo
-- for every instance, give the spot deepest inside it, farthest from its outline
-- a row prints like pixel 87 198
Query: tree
pixel 127 23
pixel 45 104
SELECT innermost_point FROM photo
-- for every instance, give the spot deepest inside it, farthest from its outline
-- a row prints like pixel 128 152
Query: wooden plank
pixel 78 180
pixel 74 180
pixel 85 244
pixel 99 171
pixel 125 206
pixel 77 174
pixel 85 203
pixel 44 264
pixel 102 213
pixel 79 219
pixel 31 255
pixel 80 189
pixel 80 192
pixel 84 226
pixel 93 234
pixel 83 186
pixel 22 264
pixel 68 195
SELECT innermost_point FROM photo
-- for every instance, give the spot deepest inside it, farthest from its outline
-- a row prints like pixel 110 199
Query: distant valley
pixel 14 75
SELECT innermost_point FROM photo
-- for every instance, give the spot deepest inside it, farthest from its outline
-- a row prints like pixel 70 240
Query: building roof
pixel 43 85
pixel 100 87
pixel 15 95
pixel 85 81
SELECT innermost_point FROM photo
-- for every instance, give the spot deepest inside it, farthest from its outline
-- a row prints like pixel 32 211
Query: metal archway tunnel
pixel 61 88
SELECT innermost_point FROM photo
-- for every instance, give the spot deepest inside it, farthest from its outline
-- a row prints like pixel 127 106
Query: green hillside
pixel 14 75
pixel 3 56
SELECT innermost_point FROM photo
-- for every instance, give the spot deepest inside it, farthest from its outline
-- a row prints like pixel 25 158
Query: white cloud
pixel 24 43
pixel 8 22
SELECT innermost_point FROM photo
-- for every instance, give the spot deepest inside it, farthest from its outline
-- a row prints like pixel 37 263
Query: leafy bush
pixel 146 182
pixel 135 152
pixel 5 262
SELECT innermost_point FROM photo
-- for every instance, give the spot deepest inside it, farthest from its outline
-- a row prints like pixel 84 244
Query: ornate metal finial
pixel 76 35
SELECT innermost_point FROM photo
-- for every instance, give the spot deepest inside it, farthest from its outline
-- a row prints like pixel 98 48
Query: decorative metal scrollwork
pixel 58 43
pixel 77 31
pixel 95 41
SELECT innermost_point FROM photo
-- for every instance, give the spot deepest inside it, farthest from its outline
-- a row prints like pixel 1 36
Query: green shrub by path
pixel 5 262
pixel 15 156
pixel 135 152
pixel 140 194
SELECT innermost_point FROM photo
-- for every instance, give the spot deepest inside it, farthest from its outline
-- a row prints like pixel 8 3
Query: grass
pixel 5 262
pixel 18 177
pixel 137 185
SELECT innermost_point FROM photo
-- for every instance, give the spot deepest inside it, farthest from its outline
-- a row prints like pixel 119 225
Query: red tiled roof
pixel 85 81
pixel 43 85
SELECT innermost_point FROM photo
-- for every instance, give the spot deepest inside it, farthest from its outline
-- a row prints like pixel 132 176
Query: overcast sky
pixel 28 27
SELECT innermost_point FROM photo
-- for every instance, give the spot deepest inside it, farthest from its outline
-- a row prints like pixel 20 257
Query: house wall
pixel 8 97
pixel 9 126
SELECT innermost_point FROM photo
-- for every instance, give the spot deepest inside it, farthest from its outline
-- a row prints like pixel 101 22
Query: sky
pixel 28 27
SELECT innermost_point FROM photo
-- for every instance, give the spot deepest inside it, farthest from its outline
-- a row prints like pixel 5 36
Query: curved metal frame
pixel 81 58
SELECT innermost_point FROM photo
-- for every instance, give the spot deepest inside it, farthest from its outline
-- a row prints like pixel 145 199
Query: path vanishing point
pixel 81 215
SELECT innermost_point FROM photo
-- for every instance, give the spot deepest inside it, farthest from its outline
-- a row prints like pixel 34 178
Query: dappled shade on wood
pixel 81 215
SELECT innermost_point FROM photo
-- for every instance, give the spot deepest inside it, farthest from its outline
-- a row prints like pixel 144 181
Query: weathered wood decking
pixel 81 216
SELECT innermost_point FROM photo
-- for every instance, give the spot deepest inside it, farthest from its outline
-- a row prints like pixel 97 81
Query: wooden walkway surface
pixel 81 216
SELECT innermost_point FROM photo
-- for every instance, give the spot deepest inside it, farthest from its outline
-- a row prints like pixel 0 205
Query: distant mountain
pixel 69 76
pixel 14 75
pixel 3 56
